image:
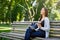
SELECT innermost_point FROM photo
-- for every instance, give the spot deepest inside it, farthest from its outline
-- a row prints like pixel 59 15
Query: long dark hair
pixel 46 13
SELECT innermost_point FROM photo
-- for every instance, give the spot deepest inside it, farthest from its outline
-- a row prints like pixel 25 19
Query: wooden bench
pixel 19 28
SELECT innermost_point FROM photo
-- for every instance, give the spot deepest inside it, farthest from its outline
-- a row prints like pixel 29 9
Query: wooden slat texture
pixel 54 35
pixel 19 29
pixel 55 26
pixel 55 29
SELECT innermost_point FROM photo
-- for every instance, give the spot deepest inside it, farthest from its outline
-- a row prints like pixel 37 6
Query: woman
pixel 40 29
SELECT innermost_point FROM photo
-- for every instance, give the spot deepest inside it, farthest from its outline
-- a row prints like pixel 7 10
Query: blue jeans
pixel 29 33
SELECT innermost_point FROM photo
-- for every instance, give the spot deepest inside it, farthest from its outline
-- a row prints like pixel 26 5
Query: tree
pixel 27 10
pixel 51 6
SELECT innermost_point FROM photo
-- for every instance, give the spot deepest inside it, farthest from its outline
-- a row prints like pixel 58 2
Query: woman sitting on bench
pixel 40 29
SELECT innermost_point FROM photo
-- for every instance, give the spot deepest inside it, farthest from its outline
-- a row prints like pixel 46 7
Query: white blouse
pixel 46 27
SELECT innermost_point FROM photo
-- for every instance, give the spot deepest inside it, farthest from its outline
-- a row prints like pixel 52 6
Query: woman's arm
pixel 46 25
pixel 39 25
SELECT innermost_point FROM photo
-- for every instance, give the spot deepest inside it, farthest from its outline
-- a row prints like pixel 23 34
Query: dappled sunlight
pixel 5 28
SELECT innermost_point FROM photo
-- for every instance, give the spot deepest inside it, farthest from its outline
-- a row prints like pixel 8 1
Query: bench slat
pixel 19 29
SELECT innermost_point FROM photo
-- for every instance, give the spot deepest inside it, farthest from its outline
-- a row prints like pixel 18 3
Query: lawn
pixel 5 28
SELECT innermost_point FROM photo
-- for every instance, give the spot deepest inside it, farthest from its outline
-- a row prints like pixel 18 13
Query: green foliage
pixel 51 5
pixel 18 10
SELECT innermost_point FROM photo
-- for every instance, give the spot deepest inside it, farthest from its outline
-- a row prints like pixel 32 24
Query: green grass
pixel 5 25
pixel 5 28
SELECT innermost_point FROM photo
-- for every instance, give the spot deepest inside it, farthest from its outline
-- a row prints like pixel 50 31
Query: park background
pixel 26 10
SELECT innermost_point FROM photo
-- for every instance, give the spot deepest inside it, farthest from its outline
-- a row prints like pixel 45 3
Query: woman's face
pixel 42 11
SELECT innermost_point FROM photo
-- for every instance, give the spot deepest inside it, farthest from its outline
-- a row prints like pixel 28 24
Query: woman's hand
pixel 39 25
pixel 39 21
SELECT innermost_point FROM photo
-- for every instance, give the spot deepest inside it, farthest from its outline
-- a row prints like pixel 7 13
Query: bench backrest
pixel 20 27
